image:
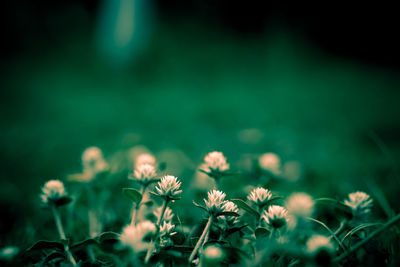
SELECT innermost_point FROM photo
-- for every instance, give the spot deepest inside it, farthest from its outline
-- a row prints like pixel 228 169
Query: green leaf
pixel 241 204
pixel 106 236
pixel 235 229
pixel 43 244
pixel 83 244
pixel 132 194
pixel 229 213
pixel 53 256
pixel 261 232
pixel 200 206
pixel 359 228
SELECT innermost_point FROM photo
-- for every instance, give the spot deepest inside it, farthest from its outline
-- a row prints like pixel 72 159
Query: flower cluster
pixel 260 196
pixel 52 191
pixel 229 206
pixel 270 162
pixel 300 204
pixel 169 187
pixel 360 203
pixel 138 237
pixel 215 202
pixel 145 158
pixel 93 161
pixel 144 173
pixel 276 217
pixel 215 162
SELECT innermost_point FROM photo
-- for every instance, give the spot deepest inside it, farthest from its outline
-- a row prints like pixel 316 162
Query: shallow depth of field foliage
pixel 301 127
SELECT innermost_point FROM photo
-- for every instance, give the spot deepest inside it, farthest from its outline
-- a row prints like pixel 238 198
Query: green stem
pixel 387 225
pixel 61 232
pixel 136 206
pixel 330 232
pixel 203 237
pixel 152 244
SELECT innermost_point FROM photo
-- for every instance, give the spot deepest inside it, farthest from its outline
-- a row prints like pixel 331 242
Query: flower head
pixel 276 216
pixel 212 256
pixel 215 202
pixel 167 229
pixel 145 158
pixel 215 162
pixel 360 203
pixel 145 173
pixel 300 204
pixel 52 191
pixel 138 237
pixel 93 162
pixel 230 206
pixel 260 196
pixel 270 162
pixel 317 242
pixel 169 187
pixel 168 214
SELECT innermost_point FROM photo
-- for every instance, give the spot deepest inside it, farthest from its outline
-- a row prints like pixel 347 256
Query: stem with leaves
pixel 61 232
pixel 203 238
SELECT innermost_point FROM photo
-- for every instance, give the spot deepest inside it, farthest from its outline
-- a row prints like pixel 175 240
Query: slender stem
pixel 152 244
pixel 61 232
pixel 136 206
pixel 387 225
pixel 341 227
pixel 330 232
pixel 203 237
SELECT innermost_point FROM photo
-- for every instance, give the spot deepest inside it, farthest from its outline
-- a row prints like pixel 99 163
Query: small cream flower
pixel 276 217
pixel 93 161
pixel 300 204
pixel 168 214
pixel 318 242
pixel 167 229
pixel 216 201
pixel 270 162
pixel 138 237
pixel 145 158
pixel 232 207
pixel 52 191
pixel 260 196
pixel 169 187
pixel 359 202
pixel 212 256
pixel 145 173
pixel 215 161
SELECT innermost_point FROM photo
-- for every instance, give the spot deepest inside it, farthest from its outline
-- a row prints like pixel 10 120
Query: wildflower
pixel 145 158
pixel 215 162
pixel 169 187
pixel 168 214
pixel 360 203
pixel 232 207
pixel 270 162
pixel 145 173
pixel 216 201
pixel 300 204
pixel 93 161
pixel 137 237
pixel 8 253
pixel 276 217
pixel 167 229
pixel 52 191
pixel 321 248
pixel 260 196
pixel 212 255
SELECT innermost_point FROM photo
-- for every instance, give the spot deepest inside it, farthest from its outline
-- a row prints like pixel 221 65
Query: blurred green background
pixel 196 76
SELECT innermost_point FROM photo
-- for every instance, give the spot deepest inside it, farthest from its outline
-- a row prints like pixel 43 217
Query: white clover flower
pixel 319 242
pixel 270 162
pixel 300 204
pixel 230 206
pixel 145 158
pixel 52 191
pixel 168 214
pixel 276 216
pixel 216 201
pixel 138 237
pixel 93 161
pixel 167 229
pixel 212 255
pixel 145 173
pixel 259 196
pixel 169 187
pixel 215 161
pixel 359 202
